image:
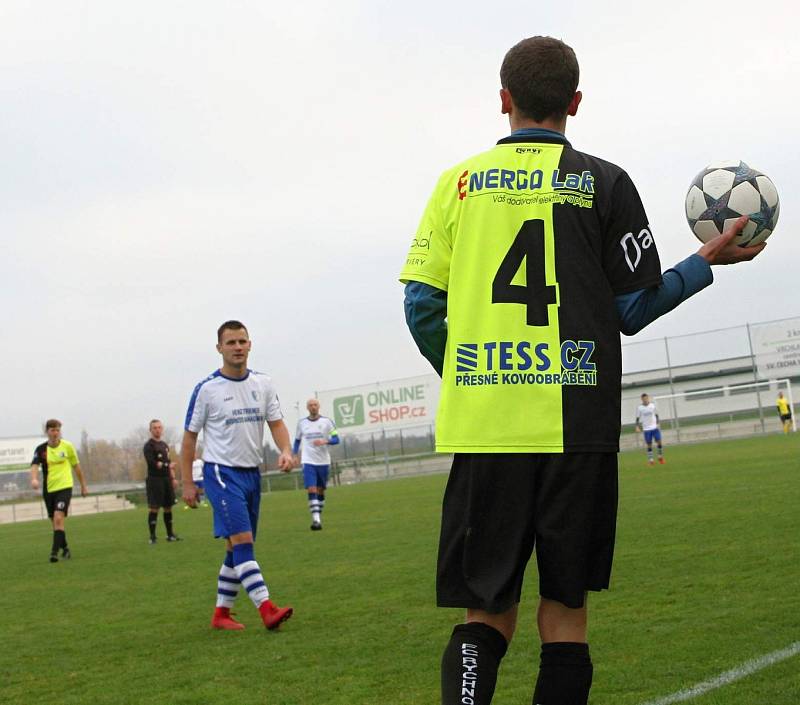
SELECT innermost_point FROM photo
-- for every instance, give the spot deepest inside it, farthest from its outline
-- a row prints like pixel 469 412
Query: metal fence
pixel 696 378
pixel 703 384
pixel 385 453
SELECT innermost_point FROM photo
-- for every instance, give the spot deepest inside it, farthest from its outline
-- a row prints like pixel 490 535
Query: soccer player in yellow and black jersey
pixel 785 412
pixel 57 459
pixel 528 262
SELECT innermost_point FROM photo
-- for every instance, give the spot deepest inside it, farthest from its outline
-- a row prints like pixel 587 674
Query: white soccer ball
pixel 725 191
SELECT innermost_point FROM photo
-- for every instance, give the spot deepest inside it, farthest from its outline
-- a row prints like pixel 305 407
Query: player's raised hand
pixel 190 495
pixel 722 249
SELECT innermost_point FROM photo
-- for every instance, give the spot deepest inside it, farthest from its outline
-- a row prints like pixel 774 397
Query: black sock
pixel 59 540
pixel 63 540
pixel 152 518
pixel 167 522
pixel 470 664
pixel 565 674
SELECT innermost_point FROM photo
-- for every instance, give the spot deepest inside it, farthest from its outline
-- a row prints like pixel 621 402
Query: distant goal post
pixel 729 410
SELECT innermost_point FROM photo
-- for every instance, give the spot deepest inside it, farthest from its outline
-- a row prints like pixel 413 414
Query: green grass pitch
pixel 706 577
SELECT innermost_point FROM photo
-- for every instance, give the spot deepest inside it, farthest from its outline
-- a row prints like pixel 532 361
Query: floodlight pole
pixel 755 378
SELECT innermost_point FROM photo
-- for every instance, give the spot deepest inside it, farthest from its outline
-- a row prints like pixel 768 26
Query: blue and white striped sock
pixel 227 583
pixel 314 506
pixel 321 502
pixel 249 573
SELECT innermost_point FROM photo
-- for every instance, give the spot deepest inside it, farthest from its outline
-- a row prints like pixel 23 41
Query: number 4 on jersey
pixel 528 245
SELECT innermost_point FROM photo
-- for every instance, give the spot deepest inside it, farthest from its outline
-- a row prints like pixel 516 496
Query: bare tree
pixel 133 458
pixel 107 462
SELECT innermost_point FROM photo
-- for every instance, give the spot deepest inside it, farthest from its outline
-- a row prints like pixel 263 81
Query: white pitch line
pixel 742 671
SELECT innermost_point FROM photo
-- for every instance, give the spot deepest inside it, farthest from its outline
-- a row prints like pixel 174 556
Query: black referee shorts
pixel 499 506
pixel 57 501
pixel 160 492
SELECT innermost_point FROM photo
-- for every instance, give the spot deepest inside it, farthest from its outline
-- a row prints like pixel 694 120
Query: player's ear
pixel 219 348
pixel 574 103
pixel 506 102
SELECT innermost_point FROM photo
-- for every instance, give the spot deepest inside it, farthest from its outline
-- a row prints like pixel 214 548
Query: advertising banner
pixel 16 453
pixel 777 348
pixel 400 403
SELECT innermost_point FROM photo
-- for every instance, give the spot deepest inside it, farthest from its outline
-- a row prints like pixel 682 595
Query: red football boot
pixel 273 615
pixel 222 620
pixel 661 461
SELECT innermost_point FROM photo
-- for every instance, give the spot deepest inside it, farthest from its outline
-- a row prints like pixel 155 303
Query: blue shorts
pixel 315 475
pixel 198 484
pixel 235 496
pixel 650 435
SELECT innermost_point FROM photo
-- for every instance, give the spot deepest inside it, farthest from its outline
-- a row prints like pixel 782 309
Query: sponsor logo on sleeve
pixel 632 247
pixel 421 241
pixel 420 249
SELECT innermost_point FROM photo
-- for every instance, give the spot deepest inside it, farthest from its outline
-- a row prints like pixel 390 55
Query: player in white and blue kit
pixel 230 407
pixel 647 422
pixel 315 433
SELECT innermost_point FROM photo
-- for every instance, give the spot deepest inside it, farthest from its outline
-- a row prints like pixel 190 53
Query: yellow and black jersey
pixel 56 464
pixel 532 240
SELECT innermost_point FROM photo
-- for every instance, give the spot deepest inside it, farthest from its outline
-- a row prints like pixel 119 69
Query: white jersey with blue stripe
pixel 307 432
pixel 231 414
pixel 647 416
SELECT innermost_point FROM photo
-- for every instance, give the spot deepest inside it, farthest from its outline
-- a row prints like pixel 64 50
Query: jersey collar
pixel 233 379
pixel 537 135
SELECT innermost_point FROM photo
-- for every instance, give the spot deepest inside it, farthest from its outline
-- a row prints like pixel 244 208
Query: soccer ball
pixel 725 191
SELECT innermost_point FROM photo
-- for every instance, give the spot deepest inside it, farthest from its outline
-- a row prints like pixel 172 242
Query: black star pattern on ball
pixel 744 173
pixel 762 219
pixel 717 209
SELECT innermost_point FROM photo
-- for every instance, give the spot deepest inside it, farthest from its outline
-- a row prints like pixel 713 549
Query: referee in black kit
pixel 160 481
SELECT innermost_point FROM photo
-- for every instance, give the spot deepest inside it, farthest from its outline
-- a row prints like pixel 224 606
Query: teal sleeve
pixel 426 317
pixel 639 309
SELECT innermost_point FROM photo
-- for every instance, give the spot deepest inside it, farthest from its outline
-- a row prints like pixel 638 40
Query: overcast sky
pixel 169 165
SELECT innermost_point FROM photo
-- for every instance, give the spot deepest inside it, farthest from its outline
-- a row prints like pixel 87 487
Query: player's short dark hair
pixel 52 423
pixel 645 394
pixel 231 325
pixel 152 421
pixel 541 73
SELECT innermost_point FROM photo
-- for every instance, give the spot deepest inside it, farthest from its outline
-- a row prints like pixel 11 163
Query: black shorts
pixel 160 492
pixel 57 501
pixel 786 417
pixel 498 506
